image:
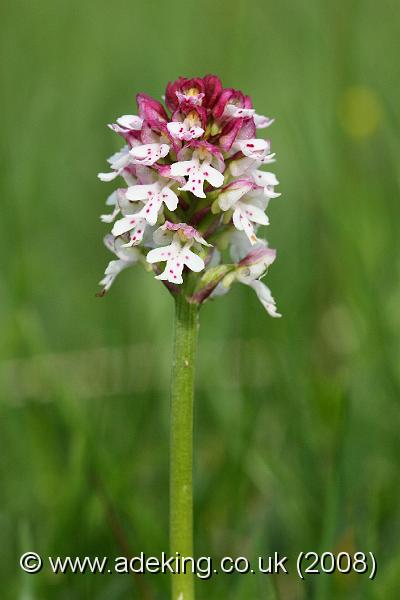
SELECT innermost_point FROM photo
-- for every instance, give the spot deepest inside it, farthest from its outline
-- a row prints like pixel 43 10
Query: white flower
pixel 261 122
pixel 265 297
pixel 249 271
pixel 246 164
pixel 237 112
pixel 245 214
pixel 254 148
pixel 240 245
pixel 177 256
pixel 252 268
pixel 256 262
pixel 165 233
pixel 266 180
pixel 117 162
pixel 197 172
pixel 184 130
pixel 148 154
pixel 245 208
pixel 193 97
pixel 111 201
pixel 127 123
pixel 156 194
pixel 136 220
pixel 126 258
pixel 133 223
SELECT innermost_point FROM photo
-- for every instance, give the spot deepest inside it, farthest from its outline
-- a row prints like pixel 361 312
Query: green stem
pixel 181 453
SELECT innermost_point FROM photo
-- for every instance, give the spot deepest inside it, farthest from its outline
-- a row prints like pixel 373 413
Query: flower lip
pixel 197 173
pixel 246 210
pixel 177 257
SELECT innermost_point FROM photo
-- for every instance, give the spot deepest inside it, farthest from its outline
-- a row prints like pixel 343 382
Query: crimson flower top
pixel 194 194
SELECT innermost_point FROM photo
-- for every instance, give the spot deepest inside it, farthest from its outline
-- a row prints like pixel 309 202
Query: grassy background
pixel 297 420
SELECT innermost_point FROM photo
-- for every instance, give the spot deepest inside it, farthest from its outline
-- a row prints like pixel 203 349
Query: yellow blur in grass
pixel 360 111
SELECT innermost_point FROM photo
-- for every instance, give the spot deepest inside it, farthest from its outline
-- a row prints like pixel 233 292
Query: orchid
pixel 148 154
pixel 118 162
pixel 177 257
pixel 236 197
pixel 156 195
pixel 187 129
pixel 190 209
pixel 249 271
pixel 202 166
pixel 126 258
pixel 128 127
pixel 197 173
pixel 134 224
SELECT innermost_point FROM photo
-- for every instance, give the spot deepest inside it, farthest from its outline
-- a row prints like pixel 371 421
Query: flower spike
pixel 195 183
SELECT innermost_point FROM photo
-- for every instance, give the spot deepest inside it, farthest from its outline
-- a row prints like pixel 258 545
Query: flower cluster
pixel 194 194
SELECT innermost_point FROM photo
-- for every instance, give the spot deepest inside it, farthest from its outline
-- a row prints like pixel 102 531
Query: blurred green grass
pixel 297 420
